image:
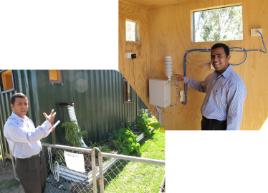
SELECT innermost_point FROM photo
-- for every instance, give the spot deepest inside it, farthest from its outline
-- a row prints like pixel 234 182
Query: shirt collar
pixel 14 115
pixel 226 73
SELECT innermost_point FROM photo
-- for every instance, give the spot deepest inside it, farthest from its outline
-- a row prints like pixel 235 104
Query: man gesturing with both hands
pixel 25 145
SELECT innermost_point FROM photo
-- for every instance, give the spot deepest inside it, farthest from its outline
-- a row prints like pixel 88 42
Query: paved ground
pixel 8 183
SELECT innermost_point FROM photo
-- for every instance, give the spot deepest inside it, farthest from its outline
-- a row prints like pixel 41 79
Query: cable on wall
pixel 232 49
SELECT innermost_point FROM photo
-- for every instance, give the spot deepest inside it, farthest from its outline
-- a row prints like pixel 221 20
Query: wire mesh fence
pixel 130 174
pixel 81 170
pixel 70 169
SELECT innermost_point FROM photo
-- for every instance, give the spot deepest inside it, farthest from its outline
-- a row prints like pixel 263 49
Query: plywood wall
pixel 135 71
pixel 167 31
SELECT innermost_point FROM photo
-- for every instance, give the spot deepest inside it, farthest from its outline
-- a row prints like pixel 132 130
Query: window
pixel 220 24
pixel 55 76
pixel 127 91
pixel 6 80
pixel 131 31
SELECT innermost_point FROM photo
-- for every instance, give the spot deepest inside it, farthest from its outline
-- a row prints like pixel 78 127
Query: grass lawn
pixel 138 177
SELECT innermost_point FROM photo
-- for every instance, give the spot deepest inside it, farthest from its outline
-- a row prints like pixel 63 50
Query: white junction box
pixel 160 92
pixel 253 31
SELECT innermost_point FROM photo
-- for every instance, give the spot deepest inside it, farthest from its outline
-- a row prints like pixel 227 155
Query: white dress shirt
pixel 22 136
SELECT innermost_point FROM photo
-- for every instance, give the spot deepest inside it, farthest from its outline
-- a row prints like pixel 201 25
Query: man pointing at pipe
pixel 222 108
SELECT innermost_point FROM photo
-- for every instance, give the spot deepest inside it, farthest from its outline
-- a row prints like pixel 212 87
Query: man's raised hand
pixel 51 116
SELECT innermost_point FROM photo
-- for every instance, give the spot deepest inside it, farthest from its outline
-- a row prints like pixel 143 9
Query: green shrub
pixel 73 134
pixel 142 122
pixel 146 124
pixel 125 141
pixel 153 122
pixel 105 148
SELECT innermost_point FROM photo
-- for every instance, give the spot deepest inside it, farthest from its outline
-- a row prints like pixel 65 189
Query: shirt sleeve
pixel 17 133
pixel 236 97
pixel 197 85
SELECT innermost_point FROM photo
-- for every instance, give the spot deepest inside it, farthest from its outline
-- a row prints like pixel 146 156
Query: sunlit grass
pixel 138 177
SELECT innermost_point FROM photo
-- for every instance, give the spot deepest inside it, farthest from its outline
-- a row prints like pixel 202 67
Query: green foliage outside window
pixel 219 24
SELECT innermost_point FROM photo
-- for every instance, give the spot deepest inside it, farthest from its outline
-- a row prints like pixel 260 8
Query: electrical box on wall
pixel 160 92
pixel 131 55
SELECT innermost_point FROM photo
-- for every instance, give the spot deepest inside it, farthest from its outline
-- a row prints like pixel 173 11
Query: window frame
pixel 1 86
pixel 137 31
pixel 60 81
pixel 127 92
pixel 192 22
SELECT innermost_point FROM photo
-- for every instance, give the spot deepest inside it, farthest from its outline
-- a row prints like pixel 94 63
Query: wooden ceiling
pixel 156 3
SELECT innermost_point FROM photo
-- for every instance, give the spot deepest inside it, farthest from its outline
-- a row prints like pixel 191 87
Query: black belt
pixel 213 124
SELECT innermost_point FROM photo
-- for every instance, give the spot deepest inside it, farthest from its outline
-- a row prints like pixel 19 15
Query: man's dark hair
pixel 222 45
pixel 17 95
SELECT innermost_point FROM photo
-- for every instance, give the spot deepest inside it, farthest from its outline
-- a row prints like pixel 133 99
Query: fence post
pixel 94 171
pixel 101 179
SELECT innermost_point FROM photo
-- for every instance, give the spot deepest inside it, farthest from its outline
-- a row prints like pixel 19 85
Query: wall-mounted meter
pixel 160 92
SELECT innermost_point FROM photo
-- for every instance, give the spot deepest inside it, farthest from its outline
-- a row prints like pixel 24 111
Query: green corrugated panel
pixel 97 94
pixel 99 108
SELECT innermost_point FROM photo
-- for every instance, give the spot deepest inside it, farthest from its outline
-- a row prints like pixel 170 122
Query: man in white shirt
pixel 25 145
pixel 222 108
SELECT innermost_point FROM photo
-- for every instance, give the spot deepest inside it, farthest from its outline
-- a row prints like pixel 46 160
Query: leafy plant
pixel 125 141
pixel 153 123
pixel 105 148
pixel 146 124
pixel 142 122
pixel 73 133
pixel 102 147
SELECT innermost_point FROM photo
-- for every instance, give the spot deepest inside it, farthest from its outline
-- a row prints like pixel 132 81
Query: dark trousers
pixel 213 124
pixel 32 173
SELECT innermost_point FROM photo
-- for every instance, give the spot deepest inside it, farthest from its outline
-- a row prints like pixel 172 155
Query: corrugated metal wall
pixel 97 94
pixel 98 98
pixel 4 113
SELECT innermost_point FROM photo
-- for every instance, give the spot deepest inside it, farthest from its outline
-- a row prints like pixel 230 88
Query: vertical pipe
pixel 35 100
pixel 185 74
pixel 1 132
pixel 27 91
pixel 19 80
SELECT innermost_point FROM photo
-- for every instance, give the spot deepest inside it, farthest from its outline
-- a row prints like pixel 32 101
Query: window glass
pixel 7 80
pixel 127 91
pixel 220 24
pixel 131 31
pixel 55 76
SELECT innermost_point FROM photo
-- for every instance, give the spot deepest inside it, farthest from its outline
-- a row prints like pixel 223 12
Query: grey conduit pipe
pixel 232 49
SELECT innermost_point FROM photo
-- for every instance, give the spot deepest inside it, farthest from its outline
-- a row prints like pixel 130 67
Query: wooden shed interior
pixel 165 29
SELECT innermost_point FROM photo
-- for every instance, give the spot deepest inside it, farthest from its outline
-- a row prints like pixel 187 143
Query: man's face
pixel 20 107
pixel 219 59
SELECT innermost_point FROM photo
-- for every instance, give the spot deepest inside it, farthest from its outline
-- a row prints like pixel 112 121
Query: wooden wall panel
pixel 156 3
pixel 135 71
pixel 169 32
